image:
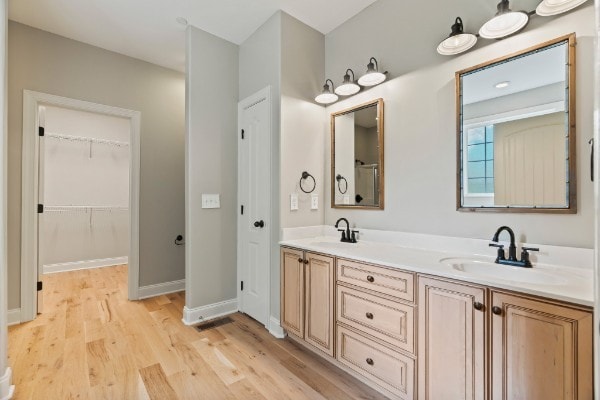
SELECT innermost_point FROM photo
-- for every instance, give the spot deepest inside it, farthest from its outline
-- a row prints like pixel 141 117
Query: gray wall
pixel 211 167
pixel 420 143
pixel 48 63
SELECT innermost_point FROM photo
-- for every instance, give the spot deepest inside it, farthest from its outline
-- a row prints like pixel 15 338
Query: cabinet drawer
pixel 389 369
pixel 391 282
pixel 385 319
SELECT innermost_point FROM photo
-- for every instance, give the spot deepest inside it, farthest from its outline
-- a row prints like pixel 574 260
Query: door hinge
pixel 40 286
pixel 242 134
pixel 242 210
pixel 242 285
pixel 41 131
pixel 40 208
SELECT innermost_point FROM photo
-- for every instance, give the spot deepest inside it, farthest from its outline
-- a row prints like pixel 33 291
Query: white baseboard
pixel 6 389
pixel 193 316
pixel 275 328
pixel 13 316
pixel 86 264
pixel 161 288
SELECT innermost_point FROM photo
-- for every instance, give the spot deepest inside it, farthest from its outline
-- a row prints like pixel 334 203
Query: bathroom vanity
pixel 428 324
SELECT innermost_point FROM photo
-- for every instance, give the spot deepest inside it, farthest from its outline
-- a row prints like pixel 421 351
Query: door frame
pixel 29 191
pixel 257 97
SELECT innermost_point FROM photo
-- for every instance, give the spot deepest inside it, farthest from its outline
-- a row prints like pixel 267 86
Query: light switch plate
pixel 314 201
pixel 211 201
pixel 293 201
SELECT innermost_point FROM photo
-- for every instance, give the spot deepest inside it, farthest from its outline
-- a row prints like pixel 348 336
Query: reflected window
pixel 480 160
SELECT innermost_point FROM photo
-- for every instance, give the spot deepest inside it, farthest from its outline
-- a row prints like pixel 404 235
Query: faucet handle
pixel 343 234
pixel 353 236
pixel 525 255
pixel 500 255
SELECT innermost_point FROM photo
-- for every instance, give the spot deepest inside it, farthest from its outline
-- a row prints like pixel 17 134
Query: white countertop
pixel 572 284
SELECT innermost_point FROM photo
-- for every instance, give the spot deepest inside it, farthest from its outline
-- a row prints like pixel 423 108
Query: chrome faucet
pixel 512 250
pixel 347 235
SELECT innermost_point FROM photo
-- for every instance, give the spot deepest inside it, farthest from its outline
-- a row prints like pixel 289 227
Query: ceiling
pixel 147 29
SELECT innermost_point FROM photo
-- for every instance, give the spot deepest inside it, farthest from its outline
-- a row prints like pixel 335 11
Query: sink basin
pixel 509 273
pixel 334 245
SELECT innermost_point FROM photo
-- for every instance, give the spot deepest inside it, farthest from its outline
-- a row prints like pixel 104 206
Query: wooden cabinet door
pixel 540 350
pixel 292 291
pixel 452 340
pixel 320 316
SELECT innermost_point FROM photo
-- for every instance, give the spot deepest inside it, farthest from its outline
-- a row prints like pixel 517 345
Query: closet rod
pixel 72 138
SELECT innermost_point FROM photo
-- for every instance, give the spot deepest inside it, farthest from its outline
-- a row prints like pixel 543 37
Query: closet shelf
pixel 71 138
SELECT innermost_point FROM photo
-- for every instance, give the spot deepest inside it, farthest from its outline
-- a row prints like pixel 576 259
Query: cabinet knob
pixel 497 310
pixel 300 260
pixel 305 261
pixel 478 306
pixel 370 361
pixel 370 279
pixel 369 315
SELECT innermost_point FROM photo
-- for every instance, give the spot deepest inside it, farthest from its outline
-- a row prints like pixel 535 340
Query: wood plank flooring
pixel 92 343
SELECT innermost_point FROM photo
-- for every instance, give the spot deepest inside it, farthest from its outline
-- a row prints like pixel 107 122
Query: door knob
pixel 259 224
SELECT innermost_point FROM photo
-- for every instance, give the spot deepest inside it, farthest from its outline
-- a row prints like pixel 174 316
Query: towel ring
pixel 339 178
pixel 306 175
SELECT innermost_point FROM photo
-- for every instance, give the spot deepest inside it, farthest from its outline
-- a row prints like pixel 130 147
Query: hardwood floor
pixel 92 343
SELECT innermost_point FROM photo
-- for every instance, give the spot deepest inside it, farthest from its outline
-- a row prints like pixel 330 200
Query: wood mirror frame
pixel 380 134
pixel 571 184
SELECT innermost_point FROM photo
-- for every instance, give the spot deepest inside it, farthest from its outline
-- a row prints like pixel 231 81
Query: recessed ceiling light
pixel 182 21
pixel 502 85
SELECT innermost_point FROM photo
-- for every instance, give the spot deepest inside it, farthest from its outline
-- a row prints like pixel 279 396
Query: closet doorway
pixel 80 191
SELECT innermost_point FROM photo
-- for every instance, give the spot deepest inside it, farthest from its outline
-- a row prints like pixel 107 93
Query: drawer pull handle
pixel 497 310
pixel 370 361
pixel 370 279
pixel 369 315
pixel 478 306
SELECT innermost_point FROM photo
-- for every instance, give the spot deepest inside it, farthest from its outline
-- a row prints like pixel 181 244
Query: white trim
pixel 275 328
pixel 161 288
pixel 262 95
pixel 6 389
pixel 13 317
pixel 193 316
pixel 521 113
pixel 86 264
pixel 29 187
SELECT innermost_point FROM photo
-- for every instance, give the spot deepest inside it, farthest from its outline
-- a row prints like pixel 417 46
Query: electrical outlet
pixel 314 201
pixel 294 201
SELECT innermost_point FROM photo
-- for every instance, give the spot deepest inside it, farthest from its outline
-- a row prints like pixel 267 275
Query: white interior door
pixel 254 191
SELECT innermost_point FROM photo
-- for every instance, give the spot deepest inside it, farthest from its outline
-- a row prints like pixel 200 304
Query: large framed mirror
pixel 516 132
pixel 357 157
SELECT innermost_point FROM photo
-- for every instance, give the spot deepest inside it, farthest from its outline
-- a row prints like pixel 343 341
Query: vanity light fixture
pixel 504 23
pixel 502 85
pixel 327 96
pixel 372 77
pixel 348 87
pixel 458 41
pixel 553 7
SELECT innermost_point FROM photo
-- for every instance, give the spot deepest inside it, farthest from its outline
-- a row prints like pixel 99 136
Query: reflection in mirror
pixel 357 156
pixel 516 132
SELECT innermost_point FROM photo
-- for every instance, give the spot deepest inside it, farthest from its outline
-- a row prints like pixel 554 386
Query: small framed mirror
pixel 357 157
pixel 516 132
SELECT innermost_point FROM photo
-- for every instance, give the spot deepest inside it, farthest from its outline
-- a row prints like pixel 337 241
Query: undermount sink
pixel 334 245
pixel 486 269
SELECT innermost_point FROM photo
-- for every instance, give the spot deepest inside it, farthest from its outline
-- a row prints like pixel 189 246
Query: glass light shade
pixel 457 44
pixel 347 89
pixel 554 7
pixel 371 79
pixel 326 98
pixel 504 24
